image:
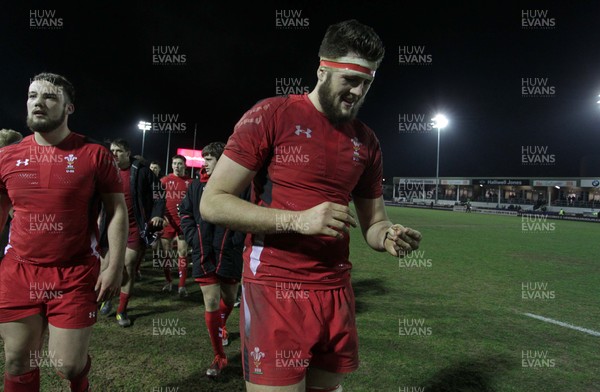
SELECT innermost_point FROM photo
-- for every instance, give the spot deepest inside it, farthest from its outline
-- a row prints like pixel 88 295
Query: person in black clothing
pixel 145 208
pixel 217 260
pixel 156 246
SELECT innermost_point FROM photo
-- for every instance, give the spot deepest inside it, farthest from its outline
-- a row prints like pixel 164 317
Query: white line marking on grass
pixel 566 325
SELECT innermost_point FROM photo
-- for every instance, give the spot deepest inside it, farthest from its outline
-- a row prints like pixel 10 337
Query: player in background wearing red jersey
pixel 306 156
pixel 174 186
pixel 55 180
pixel 217 260
pixel 145 208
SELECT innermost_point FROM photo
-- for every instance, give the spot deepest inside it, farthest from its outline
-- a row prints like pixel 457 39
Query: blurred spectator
pixel 9 136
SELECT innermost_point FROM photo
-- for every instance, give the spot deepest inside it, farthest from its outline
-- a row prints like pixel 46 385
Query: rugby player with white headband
pixel 307 157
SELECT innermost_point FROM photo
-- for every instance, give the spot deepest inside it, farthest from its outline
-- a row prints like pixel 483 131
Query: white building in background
pixel 575 194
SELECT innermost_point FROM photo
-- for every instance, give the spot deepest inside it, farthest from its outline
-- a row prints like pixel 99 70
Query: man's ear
pixel 70 108
pixel 321 74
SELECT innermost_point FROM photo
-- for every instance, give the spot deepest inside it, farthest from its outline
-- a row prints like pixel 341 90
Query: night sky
pixel 510 76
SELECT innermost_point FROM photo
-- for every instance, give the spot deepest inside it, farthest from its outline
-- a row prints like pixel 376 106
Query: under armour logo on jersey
pixel 299 130
pixel 22 162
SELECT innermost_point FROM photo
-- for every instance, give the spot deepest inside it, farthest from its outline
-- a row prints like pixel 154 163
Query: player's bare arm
pixel 109 281
pixel 221 205
pixel 380 233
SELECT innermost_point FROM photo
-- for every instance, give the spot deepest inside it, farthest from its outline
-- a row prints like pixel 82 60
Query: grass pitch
pixel 448 318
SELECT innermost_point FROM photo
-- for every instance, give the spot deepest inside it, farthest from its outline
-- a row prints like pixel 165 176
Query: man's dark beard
pixel 47 126
pixel 331 111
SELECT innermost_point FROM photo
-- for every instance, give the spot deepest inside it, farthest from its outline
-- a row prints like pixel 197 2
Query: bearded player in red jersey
pixel 50 276
pixel 307 156
pixel 174 186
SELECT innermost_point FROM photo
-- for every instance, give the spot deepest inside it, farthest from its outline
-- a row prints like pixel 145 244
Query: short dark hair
pixel 58 80
pixel 124 144
pixel 155 163
pixel 178 157
pixel 214 149
pixel 9 136
pixel 352 36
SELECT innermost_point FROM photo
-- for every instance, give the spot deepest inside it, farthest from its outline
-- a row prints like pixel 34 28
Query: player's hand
pixel 157 221
pixel 327 218
pixel 108 284
pixel 400 241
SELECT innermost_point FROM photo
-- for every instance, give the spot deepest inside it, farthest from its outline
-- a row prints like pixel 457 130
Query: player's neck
pixel 53 137
pixel 313 96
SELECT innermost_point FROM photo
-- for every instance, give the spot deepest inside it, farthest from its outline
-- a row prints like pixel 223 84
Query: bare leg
pixel 70 347
pixel 323 379
pixel 300 387
pixel 23 340
pixel 131 258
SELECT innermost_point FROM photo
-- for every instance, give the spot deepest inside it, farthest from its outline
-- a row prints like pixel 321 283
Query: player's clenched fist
pixel 327 218
pixel 400 241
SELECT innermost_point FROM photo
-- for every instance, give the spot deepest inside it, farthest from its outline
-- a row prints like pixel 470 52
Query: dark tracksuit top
pixel 214 248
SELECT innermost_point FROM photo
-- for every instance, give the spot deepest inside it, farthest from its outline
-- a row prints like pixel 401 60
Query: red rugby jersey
pixel 126 181
pixel 302 160
pixel 174 189
pixel 55 194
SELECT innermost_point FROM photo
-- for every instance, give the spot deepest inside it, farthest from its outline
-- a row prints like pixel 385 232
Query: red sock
pixel 168 274
pixel 182 264
pixel 81 382
pixel 224 311
pixel 27 382
pixel 123 302
pixel 213 322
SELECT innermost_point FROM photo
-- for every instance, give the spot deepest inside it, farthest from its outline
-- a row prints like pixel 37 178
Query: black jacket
pixel 148 202
pixel 214 248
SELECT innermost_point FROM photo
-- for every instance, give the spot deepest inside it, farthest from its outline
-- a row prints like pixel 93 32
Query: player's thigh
pixel 22 338
pixel 229 292
pixel 300 387
pixel 165 243
pixel 322 379
pixel 212 296
pixel 182 246
pixel 69 346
